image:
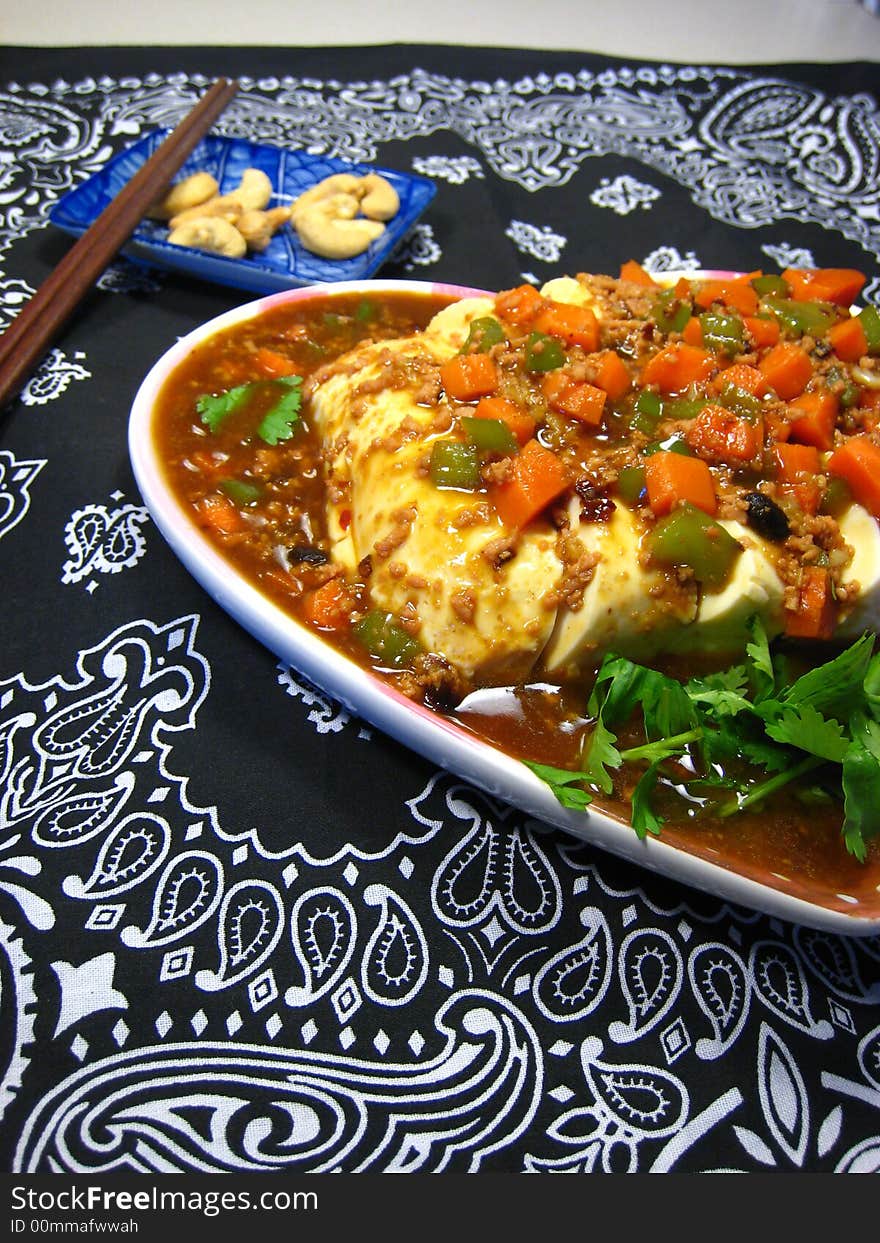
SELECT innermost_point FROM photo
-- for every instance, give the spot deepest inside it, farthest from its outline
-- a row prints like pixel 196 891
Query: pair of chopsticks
pixel 26 339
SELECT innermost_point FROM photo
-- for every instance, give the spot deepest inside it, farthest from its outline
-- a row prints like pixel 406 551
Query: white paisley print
pixel 456 988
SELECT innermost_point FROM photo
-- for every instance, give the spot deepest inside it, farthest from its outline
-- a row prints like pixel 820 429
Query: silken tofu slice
pixel 754 588
pixel 627 607
pixel 862 533
pixel 437 555
pixel 641 612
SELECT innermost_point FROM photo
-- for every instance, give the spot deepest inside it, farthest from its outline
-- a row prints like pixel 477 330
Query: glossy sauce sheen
pixel 281 547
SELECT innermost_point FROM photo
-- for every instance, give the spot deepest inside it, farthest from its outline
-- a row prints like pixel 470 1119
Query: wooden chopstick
pixel 26 339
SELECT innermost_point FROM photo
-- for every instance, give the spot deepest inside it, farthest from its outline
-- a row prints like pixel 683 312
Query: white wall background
pixel 720 31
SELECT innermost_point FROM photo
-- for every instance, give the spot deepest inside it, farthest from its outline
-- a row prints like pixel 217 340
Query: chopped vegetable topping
pixel 826 722
pixel 276 424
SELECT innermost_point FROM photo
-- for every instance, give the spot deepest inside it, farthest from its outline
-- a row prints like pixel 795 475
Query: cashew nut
pixel 258 227
pixel 228 206
pixel 325 232
pixel 338 183
pixel 197 188
pixel 326 216
pixel 254 190
pixel 379 199
pixel 210 233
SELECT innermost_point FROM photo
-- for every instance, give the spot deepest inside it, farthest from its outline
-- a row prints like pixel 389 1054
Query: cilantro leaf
pixel 215 407
pixel 622 680
pixel 861 780
pixel 871 686
pixel 278 423
pixel 564 783
pixel 664 702
pixel 807 729
pixel 866 730
pixel 600 755
pixel 756 729
pixel 717 699
pixel 644 819
pixel 666 707
pixel 761 667
pixel 837 687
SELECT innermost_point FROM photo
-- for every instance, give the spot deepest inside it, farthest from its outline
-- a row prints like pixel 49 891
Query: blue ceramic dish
pixel 285 264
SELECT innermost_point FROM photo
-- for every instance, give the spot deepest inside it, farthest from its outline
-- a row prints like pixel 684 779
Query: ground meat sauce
pixel 688 372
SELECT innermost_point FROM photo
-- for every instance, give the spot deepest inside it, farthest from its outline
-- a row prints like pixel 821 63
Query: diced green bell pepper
pixel 870 321
pixel 722 332
pixel 240 492
pixel 454 464
pixel 837 497
pixel 671 444
pixel 489 435
pixel 543 353
pixel 740 402
pixel 386 640
pixel 683 407
pixel 483 333
pixel 366 310
pixel 671 312
pixel 647 412
pixel 764 285
pixel 689 537
pixel 631 484
pixel 799 318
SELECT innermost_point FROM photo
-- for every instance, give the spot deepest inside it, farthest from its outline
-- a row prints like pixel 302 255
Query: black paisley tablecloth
pixel 239 929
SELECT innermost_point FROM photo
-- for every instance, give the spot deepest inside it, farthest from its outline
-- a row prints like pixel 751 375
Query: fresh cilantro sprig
pixel 277 423
pixel 779 729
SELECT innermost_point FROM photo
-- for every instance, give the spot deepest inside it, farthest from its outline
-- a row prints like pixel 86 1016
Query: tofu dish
pixel 626 530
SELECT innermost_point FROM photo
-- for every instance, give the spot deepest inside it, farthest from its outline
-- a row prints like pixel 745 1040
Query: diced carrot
pixel 612 375
pixel 682 288
pixel 814 416
pixel 632 271
pixel 469 376
pixel 793 461
pixel 677 366
pixel 328 607
pixel 517 419
pixel 582 401
pixel 672 479
pixel 730 293
pixel 816 612
pixel 742 376
pixel 797 467
pixel 692 333
pixel 848 339
pixel 536 478
pixel 520 305
pixel 720 435
pixel 839 285
pixel 219 513
pixel 763 332
pixel 575 325
pixel 787 369
pixel 273 364
pixel 857 461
